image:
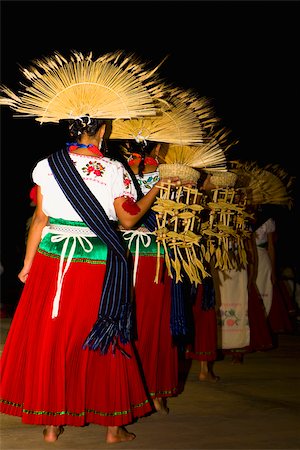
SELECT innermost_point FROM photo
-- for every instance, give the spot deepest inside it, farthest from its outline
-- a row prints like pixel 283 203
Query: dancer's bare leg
pixel 160 405
pixel 118 434
pixel 207 373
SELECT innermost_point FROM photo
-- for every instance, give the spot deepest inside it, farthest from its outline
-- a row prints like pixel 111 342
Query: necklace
pixel 94 149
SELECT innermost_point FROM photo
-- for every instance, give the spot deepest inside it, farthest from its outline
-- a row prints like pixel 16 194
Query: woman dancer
pixel 68 357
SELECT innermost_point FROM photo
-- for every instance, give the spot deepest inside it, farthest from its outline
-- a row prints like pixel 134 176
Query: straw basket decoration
pixel 183 160
pixel 113 86
pixel 180 209
pixel 182 171
pixel 230 217
pixel 178 214
pixel 228 223
pixel 226 229
pixel 224 179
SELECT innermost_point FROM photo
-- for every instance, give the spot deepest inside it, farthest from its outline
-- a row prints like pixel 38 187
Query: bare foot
pixel 52 432
pixel 118 434
pixel 206 372
pixel 160 405
pixel 208 376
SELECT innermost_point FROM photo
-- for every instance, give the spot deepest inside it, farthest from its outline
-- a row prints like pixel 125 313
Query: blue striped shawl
pixel 115 312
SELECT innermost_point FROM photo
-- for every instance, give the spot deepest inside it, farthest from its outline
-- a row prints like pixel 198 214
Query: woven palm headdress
pixel 186 122
pixel 115 85
pixel 270 184
pixel 182 120
pixel 210 155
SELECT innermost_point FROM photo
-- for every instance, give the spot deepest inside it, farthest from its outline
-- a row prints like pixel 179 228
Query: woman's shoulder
pixel 41 163
pixel 113 163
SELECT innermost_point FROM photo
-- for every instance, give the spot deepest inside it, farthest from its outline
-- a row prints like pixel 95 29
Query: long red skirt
pixel 204 347
pixel 260 331
pixel 155 347
pixel 279 319
pixel 47 378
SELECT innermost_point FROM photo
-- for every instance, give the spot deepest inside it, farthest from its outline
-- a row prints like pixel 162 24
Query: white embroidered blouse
pixel 261 234
pixel 107 179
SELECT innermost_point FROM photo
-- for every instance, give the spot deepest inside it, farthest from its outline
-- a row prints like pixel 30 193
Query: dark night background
pixel 243 55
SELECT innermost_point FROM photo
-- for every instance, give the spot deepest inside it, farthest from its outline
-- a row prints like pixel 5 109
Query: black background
pixel 243 55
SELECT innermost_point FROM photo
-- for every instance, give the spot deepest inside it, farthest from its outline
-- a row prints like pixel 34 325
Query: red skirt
pixel 204 347
pixel 260 332
pixel 47 378
pixel 279 318
pixel 157 352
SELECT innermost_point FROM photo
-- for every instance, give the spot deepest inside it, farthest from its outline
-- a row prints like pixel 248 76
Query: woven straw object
pixel 270 184
pixel 178 216
pixel 183 120
pixel 112 86
pixel 206 156
pixel 182 171
pixel 224 179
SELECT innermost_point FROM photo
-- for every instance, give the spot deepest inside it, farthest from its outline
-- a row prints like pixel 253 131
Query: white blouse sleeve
pixel 40 171
pixel 270 226
pixel 122 185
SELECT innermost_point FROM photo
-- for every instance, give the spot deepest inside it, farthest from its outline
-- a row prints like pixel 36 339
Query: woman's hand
pixel 38 222
pixel 23 274
pixel 207 184
pixel 175 181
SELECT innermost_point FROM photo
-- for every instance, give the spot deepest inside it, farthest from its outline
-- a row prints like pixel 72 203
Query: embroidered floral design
pixel 148 182
pixel 126 180
pixel 229 318
pixel 93 167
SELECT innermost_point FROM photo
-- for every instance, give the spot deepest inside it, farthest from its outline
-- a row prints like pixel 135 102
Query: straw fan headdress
pixel 269 184
pixel 184 120
pixel 115 85
pixel 210 156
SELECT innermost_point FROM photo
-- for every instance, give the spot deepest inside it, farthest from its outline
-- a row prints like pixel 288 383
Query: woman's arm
pixel 38 222
pixel 251 249
pixel 128 220
pixel 272 254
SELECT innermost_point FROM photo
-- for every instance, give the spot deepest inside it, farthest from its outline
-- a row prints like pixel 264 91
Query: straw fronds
pixel 183 120
pixel 178 215
pixel 112 86
pixel 208 156
pixel 223 179
pixel 203 106
pixel 175 126
pixel 270 184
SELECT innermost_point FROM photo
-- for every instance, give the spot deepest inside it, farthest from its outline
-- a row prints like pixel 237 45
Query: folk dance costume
pixel 272 295
pixel 232 310
pixel 68 357
pixel 260 330
pixel 152 303
pixel 242 323
pixel 204 336
pixel 45 369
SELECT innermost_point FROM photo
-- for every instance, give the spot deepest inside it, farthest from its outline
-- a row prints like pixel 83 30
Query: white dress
pixel 264 271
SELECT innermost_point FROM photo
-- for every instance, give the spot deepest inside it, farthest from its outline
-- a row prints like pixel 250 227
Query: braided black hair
pixel 115 152
pixel 84 124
